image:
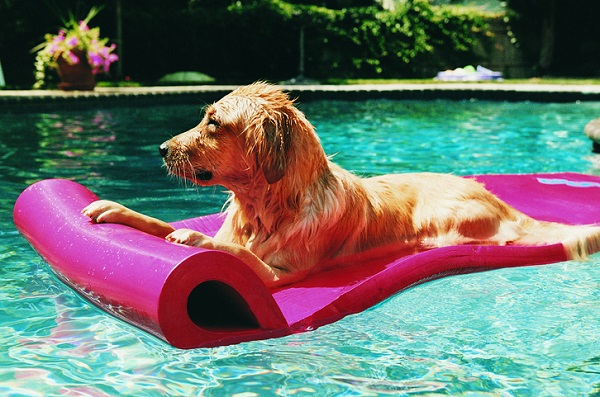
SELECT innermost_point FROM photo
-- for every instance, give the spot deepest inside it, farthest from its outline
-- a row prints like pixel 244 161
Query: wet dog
pixel 292 211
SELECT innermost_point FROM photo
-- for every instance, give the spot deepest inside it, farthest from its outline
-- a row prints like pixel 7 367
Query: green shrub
pixel 345 42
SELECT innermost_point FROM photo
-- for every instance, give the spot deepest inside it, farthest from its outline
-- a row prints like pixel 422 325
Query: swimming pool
pixel 511 332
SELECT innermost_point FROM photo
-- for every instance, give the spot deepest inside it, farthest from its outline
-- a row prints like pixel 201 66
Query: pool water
pixel 511 332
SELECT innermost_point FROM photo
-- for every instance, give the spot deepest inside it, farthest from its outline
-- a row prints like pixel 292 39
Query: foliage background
pixel 237 41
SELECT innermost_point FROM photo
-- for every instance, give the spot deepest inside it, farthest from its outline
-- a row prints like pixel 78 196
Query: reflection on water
pixel 68 143
pixel 513 332
pixel 52 145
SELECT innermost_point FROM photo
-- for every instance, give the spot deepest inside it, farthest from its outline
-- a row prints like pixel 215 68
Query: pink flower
pixel 58 39
pixel 53 48
pixel 72 42
pixel 95 58
pixel 73 58
pixel 95 61
pixel 83 26
pixel 104 51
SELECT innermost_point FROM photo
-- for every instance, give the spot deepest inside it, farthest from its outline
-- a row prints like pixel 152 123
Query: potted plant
pixel 77 52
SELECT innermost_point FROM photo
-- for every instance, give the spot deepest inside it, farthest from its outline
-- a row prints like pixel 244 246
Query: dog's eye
pixel 213 122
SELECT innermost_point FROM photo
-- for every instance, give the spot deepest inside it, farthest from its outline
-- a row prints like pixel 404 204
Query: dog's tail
pixel 579 241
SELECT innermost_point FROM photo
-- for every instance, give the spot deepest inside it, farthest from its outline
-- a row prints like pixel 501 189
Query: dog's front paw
pixel 190 237
pixel 104 211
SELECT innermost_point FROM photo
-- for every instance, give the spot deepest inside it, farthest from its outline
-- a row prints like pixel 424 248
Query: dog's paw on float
pixel 190 237
pixel 105 211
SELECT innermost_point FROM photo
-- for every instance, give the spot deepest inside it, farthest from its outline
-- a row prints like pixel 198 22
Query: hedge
pixel 244 40
pixel 261 39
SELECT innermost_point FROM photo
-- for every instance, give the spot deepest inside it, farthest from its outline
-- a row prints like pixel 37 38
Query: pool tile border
pixel 102 96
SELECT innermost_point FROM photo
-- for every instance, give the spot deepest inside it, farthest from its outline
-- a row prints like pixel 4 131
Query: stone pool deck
pixel 32 100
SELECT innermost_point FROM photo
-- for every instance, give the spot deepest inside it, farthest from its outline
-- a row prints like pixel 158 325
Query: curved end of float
pixel 187 296
pixel 212 298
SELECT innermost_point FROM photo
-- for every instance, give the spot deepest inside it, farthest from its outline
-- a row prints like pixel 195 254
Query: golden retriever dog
pixel 292 211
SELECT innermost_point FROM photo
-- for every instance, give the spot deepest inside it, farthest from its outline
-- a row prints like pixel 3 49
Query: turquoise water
pixel 512 332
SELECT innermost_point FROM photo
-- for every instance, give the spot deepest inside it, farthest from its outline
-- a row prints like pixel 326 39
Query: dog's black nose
pixel 163 149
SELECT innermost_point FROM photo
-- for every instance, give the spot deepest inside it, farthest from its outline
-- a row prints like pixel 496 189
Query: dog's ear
pixel 275 146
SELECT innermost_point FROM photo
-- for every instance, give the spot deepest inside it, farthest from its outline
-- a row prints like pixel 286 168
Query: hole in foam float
pixel 216 305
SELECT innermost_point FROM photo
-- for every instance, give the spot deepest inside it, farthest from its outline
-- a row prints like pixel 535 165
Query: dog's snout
pixel 163 149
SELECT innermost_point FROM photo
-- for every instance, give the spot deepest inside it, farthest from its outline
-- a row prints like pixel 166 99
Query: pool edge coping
pixel 23 99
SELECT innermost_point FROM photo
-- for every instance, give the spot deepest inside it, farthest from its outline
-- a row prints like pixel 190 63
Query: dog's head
pixel 246 135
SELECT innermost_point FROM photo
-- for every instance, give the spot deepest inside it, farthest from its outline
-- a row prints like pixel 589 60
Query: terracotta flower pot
pixel 77 76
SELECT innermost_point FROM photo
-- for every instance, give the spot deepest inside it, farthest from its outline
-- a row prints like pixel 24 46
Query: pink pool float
pixel 191 297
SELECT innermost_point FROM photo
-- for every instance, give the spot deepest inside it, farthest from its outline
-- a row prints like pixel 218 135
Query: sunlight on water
pixel 511 332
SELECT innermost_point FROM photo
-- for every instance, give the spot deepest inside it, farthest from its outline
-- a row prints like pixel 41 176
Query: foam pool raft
pixel 192 297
